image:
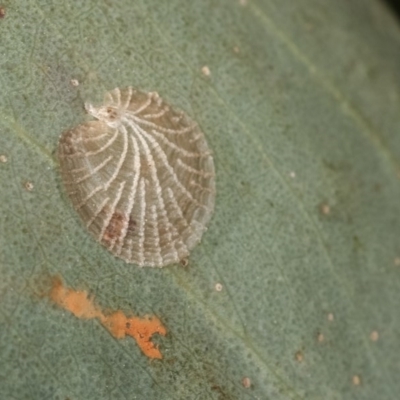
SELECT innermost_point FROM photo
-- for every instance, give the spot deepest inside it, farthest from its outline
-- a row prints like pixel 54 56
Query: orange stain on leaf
pixel 118 324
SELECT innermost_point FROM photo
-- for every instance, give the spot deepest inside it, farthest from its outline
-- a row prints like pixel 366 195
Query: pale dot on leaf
pixel 331 317
pixel 299 356
pixel 206 71
pixel 325 208
pixel 374 336
pixel 3 158
pixel 141 177
pixel 356 380
pixel 218 287
pixel 28 185
pixel 246 382
pixel 320 337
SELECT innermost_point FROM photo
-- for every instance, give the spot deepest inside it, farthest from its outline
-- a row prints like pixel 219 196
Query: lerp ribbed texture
pixel 141 177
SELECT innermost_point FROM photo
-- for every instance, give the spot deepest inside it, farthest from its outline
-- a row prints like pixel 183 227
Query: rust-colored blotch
pixel 117 323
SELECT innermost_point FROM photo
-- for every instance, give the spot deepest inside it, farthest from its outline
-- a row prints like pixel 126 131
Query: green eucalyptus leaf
pixel 295 285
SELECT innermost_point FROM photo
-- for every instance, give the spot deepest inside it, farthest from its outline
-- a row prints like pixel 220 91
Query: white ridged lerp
pixel 141 176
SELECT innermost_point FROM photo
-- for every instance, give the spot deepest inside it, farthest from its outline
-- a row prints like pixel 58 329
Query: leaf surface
pixel 302 111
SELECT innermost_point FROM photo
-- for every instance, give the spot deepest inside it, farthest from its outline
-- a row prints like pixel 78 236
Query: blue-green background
pixel 306 113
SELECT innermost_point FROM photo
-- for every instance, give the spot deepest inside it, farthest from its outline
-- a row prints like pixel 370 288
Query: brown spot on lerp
pixel 114 228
